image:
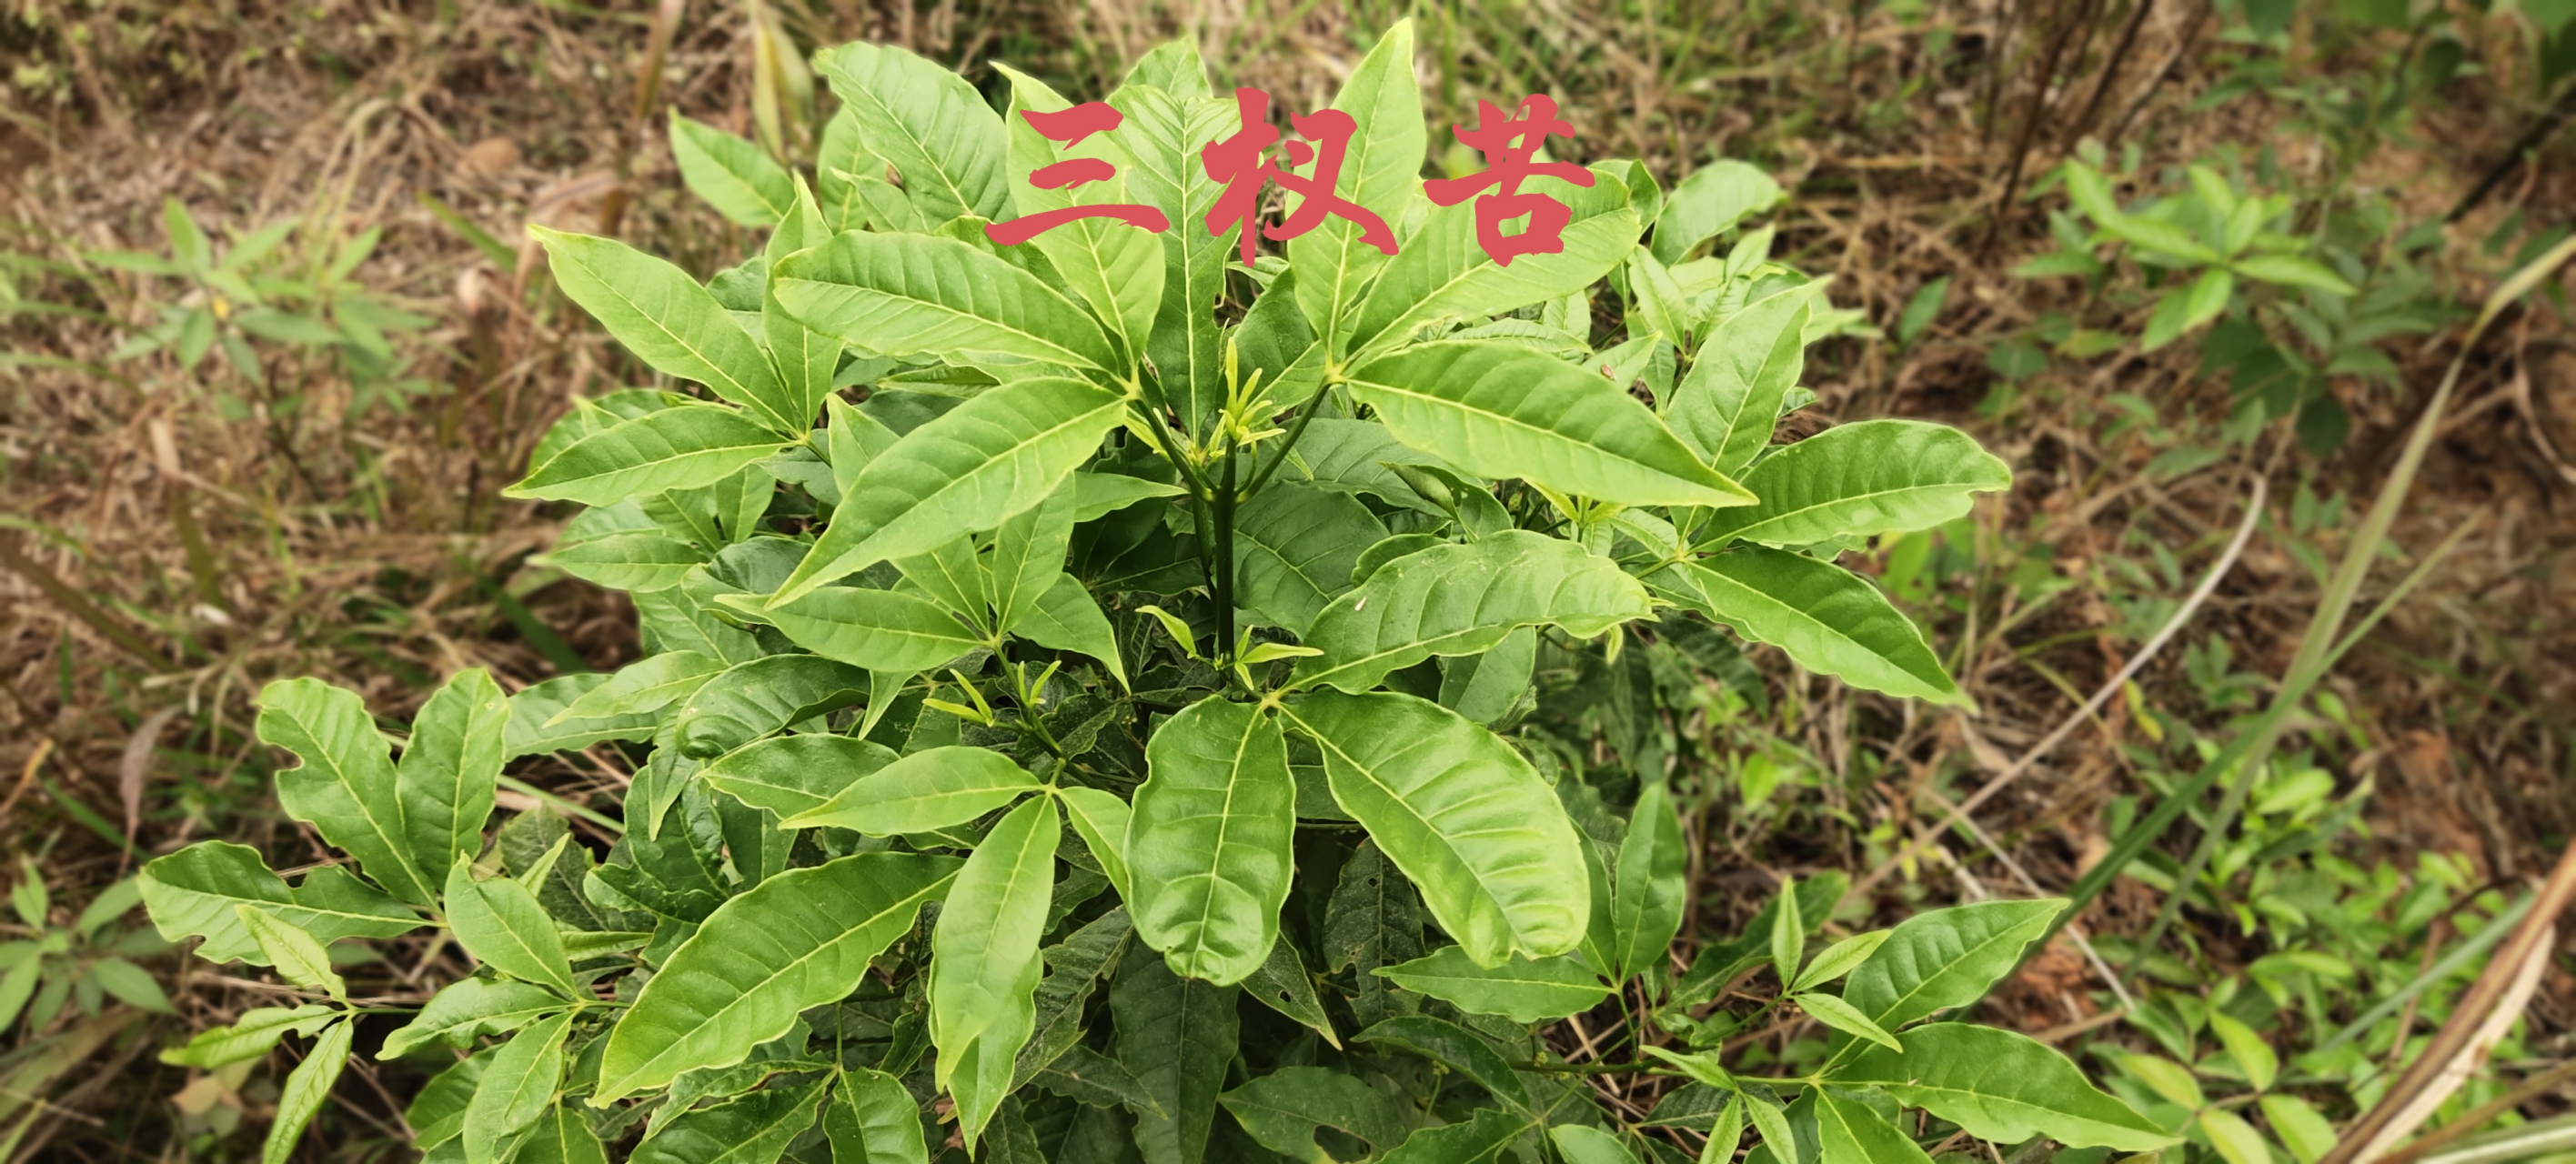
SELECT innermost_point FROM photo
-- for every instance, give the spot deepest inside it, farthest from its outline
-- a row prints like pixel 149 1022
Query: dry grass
pixel 366 543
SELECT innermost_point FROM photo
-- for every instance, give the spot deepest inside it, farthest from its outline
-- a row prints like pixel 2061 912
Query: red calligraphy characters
pixel 1242 162
pixel 1068 127
pixel 1509 144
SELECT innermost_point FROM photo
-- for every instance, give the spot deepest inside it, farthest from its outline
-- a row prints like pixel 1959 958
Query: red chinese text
pixel 1508 145
pixel 1068 127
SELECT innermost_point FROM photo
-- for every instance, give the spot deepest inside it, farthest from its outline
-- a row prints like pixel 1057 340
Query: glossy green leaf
pixel 469 1009
pixel 1283 1109
pixel 1725 1135
pixel 1282 984
pixel 1028 555
pixel 1650 891
pixel 1946 958
pixel 500 922
pixel 637 560
pixel 1861 480
pixel 748 1129
pixel 1166 129
pixel 868 630
pixel 2300 1126
pixel 561 1136
pixel 792 774
pixel 1381 170
pixel 985 963
pixel 872 1119
pixel 1066 617
pixel 1074 968
pixel 250 1036
pixel 754 699
pixel 1849 1132
pixel 1096 1080
pixel 346 786
pixel 741 182
pixel 927 790
pixel 1843 1016
pixel 1295 546
pixel 1484 688
pixel 1462 600
pixel 797 940
pixel 952 576
pixel 1779 1137
pixel 1452 1046
pixel 517 1087
pixel 2002 1086
pixel 2293 271
pixel 807 360
pixel 646 685
pixel 1097 495
pixel 970 470
pixel 1352 456
pixel 192 892
pixel 1176 1035
pixel 1521 990
pixel 1839 959
pixel 306 1089
pixel 534 727
pixel 1584 1144
pixel 1443 273
pixel 2254 1056
pixel 670 322
pixel 1822 616
pixel 916 295
pixel 1113 267
pixel 1727 406
pixel 925 121
pixel 1502 411
pixel 1465 817
pixel 1208 843
pixel 684 447
pixel 1482 1138
pixel 1101 820
pixel 446 776
pixel 1713 200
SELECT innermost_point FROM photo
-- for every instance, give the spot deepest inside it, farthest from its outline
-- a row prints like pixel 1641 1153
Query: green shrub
pixel 1094 729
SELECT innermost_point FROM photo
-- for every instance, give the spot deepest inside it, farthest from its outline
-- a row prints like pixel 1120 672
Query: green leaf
pixel 2299 1126
pixel 879 630
pixel 1484 688
pixel 1097 495
pixel 1861 480
pixel 872 1119
pixel 1028 555
pixel 1176 1035
pixel 1843 1016
pixel 1101 819
pixel 1453 1046
pixel 952 576
pixel 797 940
pixel 925 791
pixel 1381 170
pixel 130 984
pixel 1282 984
pixel 1711 202
pixel 1839 959
pixel 1501 411
pixel 1294 549
pixel 807 360
pixel 191 893
pixel 561 1136
pixel 793 774
pixel 917 295
pixel 1726 1135
pixel 1465 817
pixel 741 182
pixel 1372 919
pixel 250 1036
pixel 500 923
pixel 748 1129
pixel 1166 128
pixel 1283 1109
pixel 638 560
pixel 533 725
pixel 2253 1055
pixel 751 700
pixel 1522 990
pixel 925 121
pixel 1115 268
pixel 1582 1144
pixel 1647 899
pixel 1825 618
pixel 306 1089
pixel 469 1009
pixel 517 1087
pixel 969 470
pixel 1480 1139
pixel 647 685
pixel 985 959
pixel 1727 406
pixel 2001 1086
pixel 1074 967
pixel 1067 618
pixel 1851 1133
pixel 2293 271
pixel 669 322
pixel 683 447
pixel 346 786
pixel 1208 841
pixel 1945 958
pixel 445 779
pixel 1788 933
pixel 1772 1124
pixel 1455 600
pixel 1089 1077
pixel 1443 273
pixel 298 956
pixel 2235 1140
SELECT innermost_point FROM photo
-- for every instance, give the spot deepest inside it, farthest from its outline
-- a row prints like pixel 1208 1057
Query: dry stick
pixel 2514 155
pixel 2467 1016
pixel 2458 1129
pixel 2063 34
pixel 2164 72
pixel 2199 595
pixel 2110 73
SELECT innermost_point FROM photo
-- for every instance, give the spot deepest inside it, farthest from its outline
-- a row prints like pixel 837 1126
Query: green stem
pixel 1221 579
pixel 1288 443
